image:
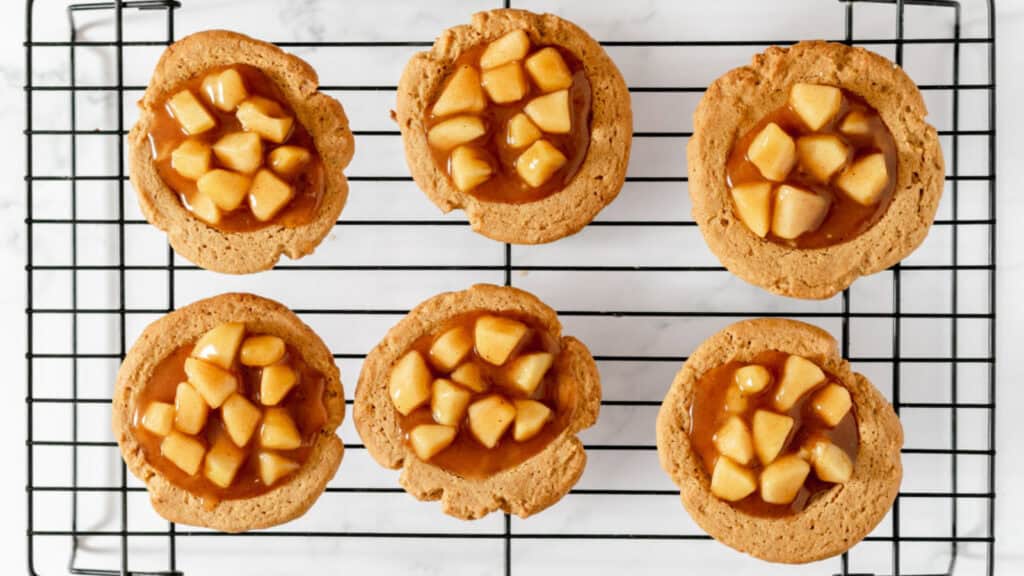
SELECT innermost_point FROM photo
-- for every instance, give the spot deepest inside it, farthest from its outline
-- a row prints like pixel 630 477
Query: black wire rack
pixel 878 336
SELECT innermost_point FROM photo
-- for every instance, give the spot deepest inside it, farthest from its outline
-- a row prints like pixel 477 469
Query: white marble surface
pixel 661 246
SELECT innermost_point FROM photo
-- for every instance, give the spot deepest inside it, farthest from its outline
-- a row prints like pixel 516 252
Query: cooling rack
pixel 637 285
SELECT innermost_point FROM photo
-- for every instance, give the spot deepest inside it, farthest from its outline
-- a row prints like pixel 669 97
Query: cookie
pixel 227 433
pixel 236 155
pixel 813 166
pixel 841 492
pixel 519 119
pixel 478 398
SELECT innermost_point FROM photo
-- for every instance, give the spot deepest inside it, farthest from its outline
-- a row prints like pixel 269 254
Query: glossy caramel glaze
pixel 167 134
pixel 505 185
pixel 846 218
pixel 466 456
pixel 305 404
pixel 708 413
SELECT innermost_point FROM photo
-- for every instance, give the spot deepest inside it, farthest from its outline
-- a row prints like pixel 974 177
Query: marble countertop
pixel 394 21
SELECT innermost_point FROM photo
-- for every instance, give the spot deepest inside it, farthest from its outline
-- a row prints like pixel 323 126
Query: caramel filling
pixel 482 394
pixel 512 122
pixel 773 434
pixel 819 171
pixel 228 143
pixel 235 432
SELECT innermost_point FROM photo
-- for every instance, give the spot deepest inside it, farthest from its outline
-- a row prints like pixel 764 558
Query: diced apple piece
pixel 279 431
pixel 462 94
pixel 815 104
pixel 510 47
pixel 521 132
pixel 831 404
pixel 732 482
pixel 273 467
pixel 865 179
pixel 191 159
pixel 782 480
pixel 506 83
pixel 410 382
pixel 158 418
pixel 227 189
pixel 190 113
pixel 733 440
pixel 448 402
pixel 470 376
pixel 190 410
pixel 266 118
pixel 735 401
pixel 240 418
pixel 219 345
pixel 275 383
pixel 548 70
pixel 856 123
pixel 268 195
pixel 240 151
pixel 799 376
pixel 204 208
pixel 470 168
pixel 450 348
pixel 797 211
pixel 770 433
pixel 429 439
pixel 527 371
pixel 455 131
pixel 550 112
pixel 288 160
pixel 225 90
pixel 262 350
pixel 222 463
pixel 184 451
pixel 539 163
pixel 831 464
pixel 752 379
pixel 773 152
pixel 497 337
pixel 754 206
pixel 821 155
pixel 490 418
pixel 214 383
pixel 531 416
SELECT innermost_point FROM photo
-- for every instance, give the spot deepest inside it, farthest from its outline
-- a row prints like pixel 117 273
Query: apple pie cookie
pixel 236 155
pixel 227 410
pixel 813 166
pixel 520 119
pixel 778 448
pixel 478 398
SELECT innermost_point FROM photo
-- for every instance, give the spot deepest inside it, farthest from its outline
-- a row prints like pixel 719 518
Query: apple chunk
pixel 409 385
pixel 470 167
pixel 821 155
pixel 735 401
pixel 506 83
pixel 268 195
pixel 191 159
pixel 222 463
pixel 288 160
pixel 273 467
pixel 509 48
pixel 770 433
pixel 754 206
pixel 732 482
pixel 797 211
pixel 733 440
pixel 815 104
pixel 831 464
pixel 865 179
pixel 782 480
pixel 184 451
pixel 497 337
pixel 428 440
pixel 240 151
pixel 462 94
pixel 266 118
pixel 856 123
pixel 548 70
pixel 279 431
pixel 456 131
pixel 190 410
pixel 448 402
pixel 471 376
pixel 799 376
pixel 262 350
pixel 450 348
pixel 539 163
pixel 159 418
pixel 276 382
pixel 831 404
pixel 227 189
pixel 521 132
pixel 240 418
pixel 752 379
pixel 225 90
pixel 550 112
pixel 190 113
pixel 531 416
pixel 526 372
pixel 213 382
pixel 204 208
pixel 489 418
pixel 219 345
pixel 773 152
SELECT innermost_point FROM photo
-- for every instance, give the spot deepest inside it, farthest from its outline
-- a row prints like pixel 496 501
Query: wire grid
pixel 120 557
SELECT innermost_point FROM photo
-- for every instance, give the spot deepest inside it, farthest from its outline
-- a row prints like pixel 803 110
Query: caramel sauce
pixel 846 218
pixel 505 185
pixel 466 456
pixel 709 413
pixel 167 134
pixel 304 402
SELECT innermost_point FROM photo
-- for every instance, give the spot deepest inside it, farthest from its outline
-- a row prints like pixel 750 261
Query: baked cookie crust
pixel 522 490
pixel 834 521
pixel 599 178
pixel 184 326
pixel 736 101
pixel 322 116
